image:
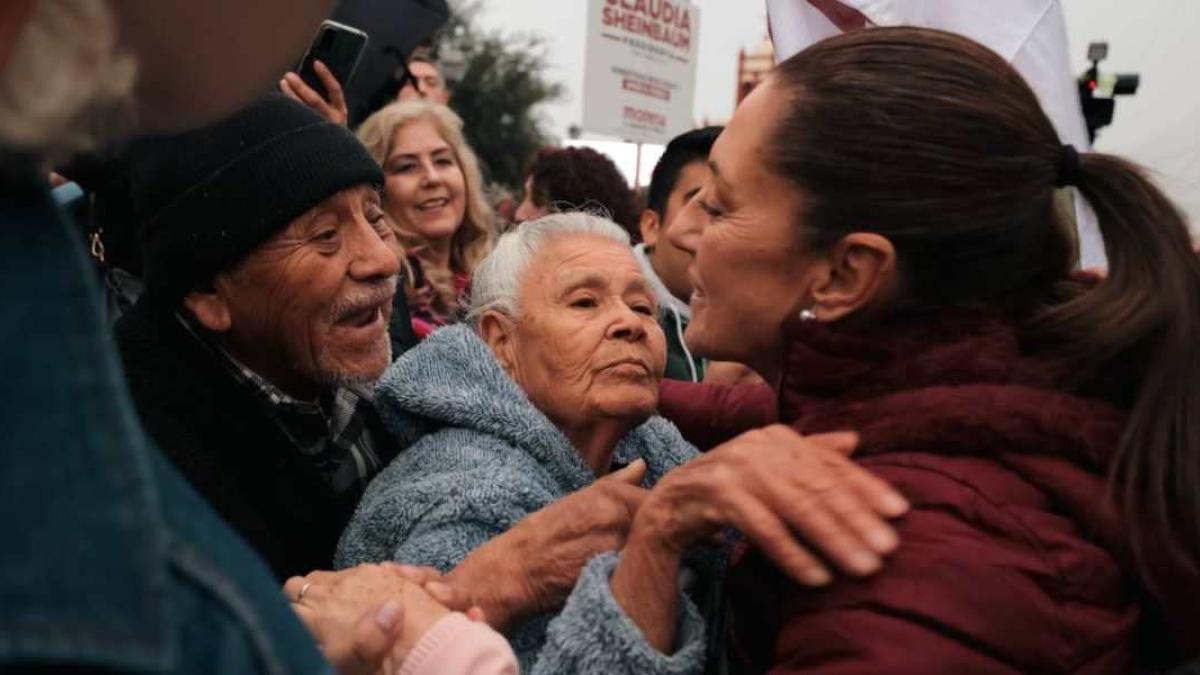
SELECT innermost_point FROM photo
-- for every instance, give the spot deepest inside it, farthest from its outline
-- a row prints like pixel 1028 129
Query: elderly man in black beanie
pixel 270 275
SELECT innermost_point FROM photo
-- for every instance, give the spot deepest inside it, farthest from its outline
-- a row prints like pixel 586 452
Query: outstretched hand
pixel 797 498
pixel 533 567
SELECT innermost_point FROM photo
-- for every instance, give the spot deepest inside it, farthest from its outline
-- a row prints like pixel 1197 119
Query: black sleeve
pixel 400 328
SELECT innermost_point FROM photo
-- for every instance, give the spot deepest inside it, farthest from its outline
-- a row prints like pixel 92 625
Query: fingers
pixel 842 442
pixel 292 85
pixel 440 591
pixel 287 90
pixel 795 496
pixel 633 474
pixel 433 582
pixel 774 539
pixel 361 648
pixel 850 507
pixel 296 87
pixel 824 502
pixel 881 496
pixel 476 614
pixel 884 498
pixel 304 589
pixel 834 521
pixel 332 87
pixel 291 587
pixel 631 496
pixel 374 635
pixel 449 596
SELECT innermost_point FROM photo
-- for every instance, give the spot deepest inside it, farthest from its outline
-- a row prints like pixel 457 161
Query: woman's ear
pixel 499 332
pixel 210 309
pixel 860 270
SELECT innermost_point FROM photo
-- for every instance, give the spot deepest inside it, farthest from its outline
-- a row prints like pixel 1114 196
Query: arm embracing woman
pixel 777 488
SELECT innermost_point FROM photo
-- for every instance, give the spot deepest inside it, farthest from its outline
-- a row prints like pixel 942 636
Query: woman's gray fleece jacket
pixel 478 458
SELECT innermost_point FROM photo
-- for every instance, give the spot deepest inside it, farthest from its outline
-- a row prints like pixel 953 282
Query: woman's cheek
pixel 398 196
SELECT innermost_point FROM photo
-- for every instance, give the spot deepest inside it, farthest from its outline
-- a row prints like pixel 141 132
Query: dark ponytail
pixel 1148 309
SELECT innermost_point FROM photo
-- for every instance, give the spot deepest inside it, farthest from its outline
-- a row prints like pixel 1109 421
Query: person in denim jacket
pixel 110 561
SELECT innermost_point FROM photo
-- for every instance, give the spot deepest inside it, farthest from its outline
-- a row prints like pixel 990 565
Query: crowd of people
pixel 831 396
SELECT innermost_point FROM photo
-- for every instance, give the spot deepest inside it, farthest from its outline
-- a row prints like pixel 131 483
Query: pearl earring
pixel 808 315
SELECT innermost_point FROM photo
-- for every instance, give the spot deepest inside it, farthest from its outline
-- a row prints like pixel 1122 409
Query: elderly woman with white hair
pixel 548 390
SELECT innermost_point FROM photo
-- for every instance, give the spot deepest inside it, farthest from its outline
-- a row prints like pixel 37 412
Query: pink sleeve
pixel 458 646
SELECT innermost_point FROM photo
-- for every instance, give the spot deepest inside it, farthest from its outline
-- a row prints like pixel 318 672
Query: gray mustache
pixel 364 297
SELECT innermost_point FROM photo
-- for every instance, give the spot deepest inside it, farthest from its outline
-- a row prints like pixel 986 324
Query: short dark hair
pixel 423 55
pixel 580 178
pixel 690 146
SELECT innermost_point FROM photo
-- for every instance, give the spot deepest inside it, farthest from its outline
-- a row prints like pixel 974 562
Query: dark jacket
pixel 1012 559
pixel 400 326
pixel 110 561
pixel 222 438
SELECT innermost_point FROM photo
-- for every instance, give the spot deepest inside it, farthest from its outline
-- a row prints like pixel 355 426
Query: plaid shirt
pixel 331 433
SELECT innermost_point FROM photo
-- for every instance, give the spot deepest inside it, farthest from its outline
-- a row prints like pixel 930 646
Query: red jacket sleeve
pixel 710 414
pixel 984 581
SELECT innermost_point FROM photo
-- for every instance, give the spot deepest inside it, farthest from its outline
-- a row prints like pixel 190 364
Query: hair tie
pixel 1069 170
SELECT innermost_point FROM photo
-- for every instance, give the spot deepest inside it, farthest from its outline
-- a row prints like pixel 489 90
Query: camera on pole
pixel 1097 91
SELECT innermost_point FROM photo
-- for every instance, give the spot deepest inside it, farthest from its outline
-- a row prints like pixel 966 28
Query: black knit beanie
pixel 207 198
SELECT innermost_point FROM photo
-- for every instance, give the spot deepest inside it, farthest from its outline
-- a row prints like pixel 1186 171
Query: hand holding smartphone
pixel 326 69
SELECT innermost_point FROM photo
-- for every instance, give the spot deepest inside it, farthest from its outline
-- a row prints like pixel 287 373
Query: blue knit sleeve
pixel 438 501
pixel 465 514
pixel 593 634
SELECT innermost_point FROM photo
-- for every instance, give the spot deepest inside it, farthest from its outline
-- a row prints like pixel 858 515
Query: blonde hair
pixel 473 239
pixel 66 87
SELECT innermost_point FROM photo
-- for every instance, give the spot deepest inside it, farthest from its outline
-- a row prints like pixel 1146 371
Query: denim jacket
pixel 108 558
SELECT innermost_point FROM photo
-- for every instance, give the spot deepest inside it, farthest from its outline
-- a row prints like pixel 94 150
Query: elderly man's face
pixel 309 308
pixel 586 346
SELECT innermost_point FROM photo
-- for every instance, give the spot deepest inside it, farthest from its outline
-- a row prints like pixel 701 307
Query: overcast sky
pixel 1159 127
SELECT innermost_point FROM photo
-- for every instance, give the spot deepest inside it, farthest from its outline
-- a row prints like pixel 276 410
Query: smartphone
pixel 339 47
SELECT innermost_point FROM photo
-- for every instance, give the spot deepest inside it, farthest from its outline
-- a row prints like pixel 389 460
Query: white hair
pixel 66 87
pixel 497 280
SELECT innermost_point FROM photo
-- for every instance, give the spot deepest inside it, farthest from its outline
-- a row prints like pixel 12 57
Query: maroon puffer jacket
pixel 1012 560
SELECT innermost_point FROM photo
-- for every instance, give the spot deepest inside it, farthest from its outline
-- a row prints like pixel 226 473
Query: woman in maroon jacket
pixel 881 240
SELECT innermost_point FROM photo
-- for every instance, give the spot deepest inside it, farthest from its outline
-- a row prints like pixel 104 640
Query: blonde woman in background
pixel 435 200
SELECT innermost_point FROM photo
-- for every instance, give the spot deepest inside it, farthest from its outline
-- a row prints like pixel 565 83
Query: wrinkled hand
pixel 533 567
pixel 334 109
pixel 787 494
pixel 434 582
pixel 365 619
